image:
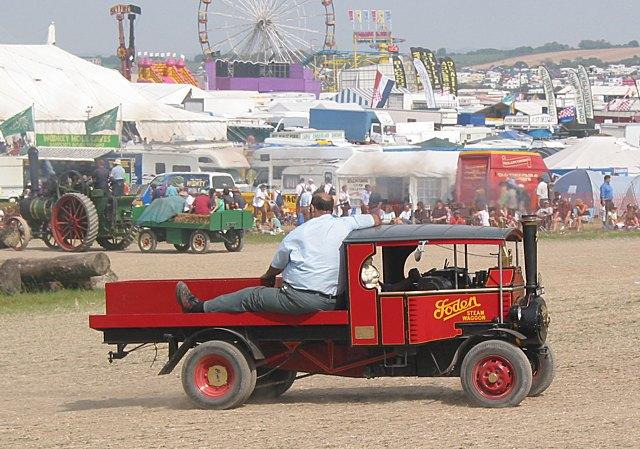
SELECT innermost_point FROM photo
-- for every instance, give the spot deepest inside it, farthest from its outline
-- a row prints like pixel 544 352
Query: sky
pixel 85 28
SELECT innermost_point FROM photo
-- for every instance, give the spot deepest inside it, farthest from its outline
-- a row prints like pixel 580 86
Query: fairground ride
pixel 126 54
pixel 266 31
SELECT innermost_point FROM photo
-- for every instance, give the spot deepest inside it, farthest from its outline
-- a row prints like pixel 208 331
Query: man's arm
pixel 269 278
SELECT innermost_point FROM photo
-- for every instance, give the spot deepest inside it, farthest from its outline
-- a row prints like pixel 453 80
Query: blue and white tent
pixel 356 96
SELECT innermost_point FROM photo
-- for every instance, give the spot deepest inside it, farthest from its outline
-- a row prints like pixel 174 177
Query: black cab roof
pixel 402 233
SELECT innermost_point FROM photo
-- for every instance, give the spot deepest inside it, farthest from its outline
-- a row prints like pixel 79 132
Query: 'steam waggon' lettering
pixel 447 309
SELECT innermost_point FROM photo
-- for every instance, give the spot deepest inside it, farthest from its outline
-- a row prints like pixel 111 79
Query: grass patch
pixel 589 234
pixel 64 300
pixel 263 239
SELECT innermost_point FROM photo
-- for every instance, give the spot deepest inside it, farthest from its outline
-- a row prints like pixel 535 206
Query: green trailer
pixel 195 232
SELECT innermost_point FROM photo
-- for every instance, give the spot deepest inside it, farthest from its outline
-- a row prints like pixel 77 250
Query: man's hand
pixel 269 278
pixel 376 219
pixel 268 281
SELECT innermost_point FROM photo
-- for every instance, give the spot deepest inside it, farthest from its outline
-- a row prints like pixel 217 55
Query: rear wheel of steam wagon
pixel 147 241
pixel 272 384
pixel 116 243
pixel 543 367
pixel 235 241
pixel 199 242
pixel 74 222
pixel 217 375
pixel 181 247
pixel 496 374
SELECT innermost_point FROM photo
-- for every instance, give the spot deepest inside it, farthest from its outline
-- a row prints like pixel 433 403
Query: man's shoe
pixel 187 301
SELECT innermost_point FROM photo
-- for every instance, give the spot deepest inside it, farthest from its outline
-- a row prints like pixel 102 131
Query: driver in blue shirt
pixel 309 261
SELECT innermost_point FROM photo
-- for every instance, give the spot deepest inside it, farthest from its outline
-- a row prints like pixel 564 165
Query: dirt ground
pixel 605 55
pixel 57 389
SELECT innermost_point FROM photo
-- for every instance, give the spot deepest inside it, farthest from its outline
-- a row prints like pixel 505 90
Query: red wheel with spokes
pixel 217 375
pixel 74 222
pixel 495 374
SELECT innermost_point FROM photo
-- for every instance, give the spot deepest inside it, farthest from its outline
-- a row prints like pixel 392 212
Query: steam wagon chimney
pixel 34 169
pixel 530 236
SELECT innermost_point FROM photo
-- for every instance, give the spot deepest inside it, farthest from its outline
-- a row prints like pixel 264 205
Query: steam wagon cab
pixel 487 326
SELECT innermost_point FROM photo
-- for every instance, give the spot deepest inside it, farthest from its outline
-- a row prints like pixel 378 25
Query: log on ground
pixel 10 282
pixel 63 269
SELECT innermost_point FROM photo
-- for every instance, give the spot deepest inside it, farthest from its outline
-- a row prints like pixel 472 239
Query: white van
pixel 201 180
pixel 11 177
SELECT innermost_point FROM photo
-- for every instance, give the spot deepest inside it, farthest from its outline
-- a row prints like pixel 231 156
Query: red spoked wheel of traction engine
pixel 496 373
pixel 74 222
pixel 218 375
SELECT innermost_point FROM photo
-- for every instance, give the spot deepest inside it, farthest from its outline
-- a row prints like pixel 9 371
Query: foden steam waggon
pixel 488 327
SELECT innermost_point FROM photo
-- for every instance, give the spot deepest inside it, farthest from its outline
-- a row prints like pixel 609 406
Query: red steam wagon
pixel 488 327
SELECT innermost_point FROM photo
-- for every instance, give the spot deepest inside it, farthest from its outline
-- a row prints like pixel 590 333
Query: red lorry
pixel 480 174
pixel 488 327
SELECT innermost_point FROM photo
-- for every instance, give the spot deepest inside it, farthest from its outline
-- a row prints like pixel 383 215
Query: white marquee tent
pixel 62 87
pixel 597 153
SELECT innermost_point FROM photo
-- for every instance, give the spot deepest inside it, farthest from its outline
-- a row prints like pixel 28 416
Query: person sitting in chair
pixel 309 261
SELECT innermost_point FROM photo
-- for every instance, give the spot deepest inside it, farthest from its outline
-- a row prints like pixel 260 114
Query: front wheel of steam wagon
pixel 235 241
pixel 217 375
pixel 543 367
pixel 199 242
pixel 496 374
pixel 272 384
pixel 147 241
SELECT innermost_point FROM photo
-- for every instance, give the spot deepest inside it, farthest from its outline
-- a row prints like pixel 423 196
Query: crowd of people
pixel 557 213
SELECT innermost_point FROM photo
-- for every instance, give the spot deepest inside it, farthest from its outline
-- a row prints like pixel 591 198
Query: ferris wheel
pixel 266 31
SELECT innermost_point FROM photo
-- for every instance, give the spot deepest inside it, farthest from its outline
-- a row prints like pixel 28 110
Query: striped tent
pixel 354 95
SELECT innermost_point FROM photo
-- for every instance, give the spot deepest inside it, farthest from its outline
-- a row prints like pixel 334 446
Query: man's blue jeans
pixel 274 300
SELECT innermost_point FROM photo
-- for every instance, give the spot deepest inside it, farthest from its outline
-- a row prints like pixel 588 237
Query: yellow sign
pixel 447 309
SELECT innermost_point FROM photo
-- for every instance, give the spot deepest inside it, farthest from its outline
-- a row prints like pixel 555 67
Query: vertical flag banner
pixel 351 16
pixel 381 90
pixel 365 15
pixel 381 17
pixel 581 112
pixel 421 70
pixel 358 15
pixel 549 93
pixel 583 76
pixel 20 123
pixel 429 60
pixel 447 65
pixel 373 15
pixel 399 73
pixel 415 54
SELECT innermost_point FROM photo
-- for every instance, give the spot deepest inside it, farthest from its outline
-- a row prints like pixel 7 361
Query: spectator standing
pixel 542 191
pixel 483 216
pixel 365 197
pixel 406 216
pixel 305 203
pixel 312 186
pixel 344 201
pixel 259 203
pixel 117 177
pixel 606 196
pixel 301 187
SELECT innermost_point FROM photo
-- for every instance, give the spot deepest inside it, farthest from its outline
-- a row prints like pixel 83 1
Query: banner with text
pixel 549 93
pixel 78 140
pixel 586 91
pixel 581 113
